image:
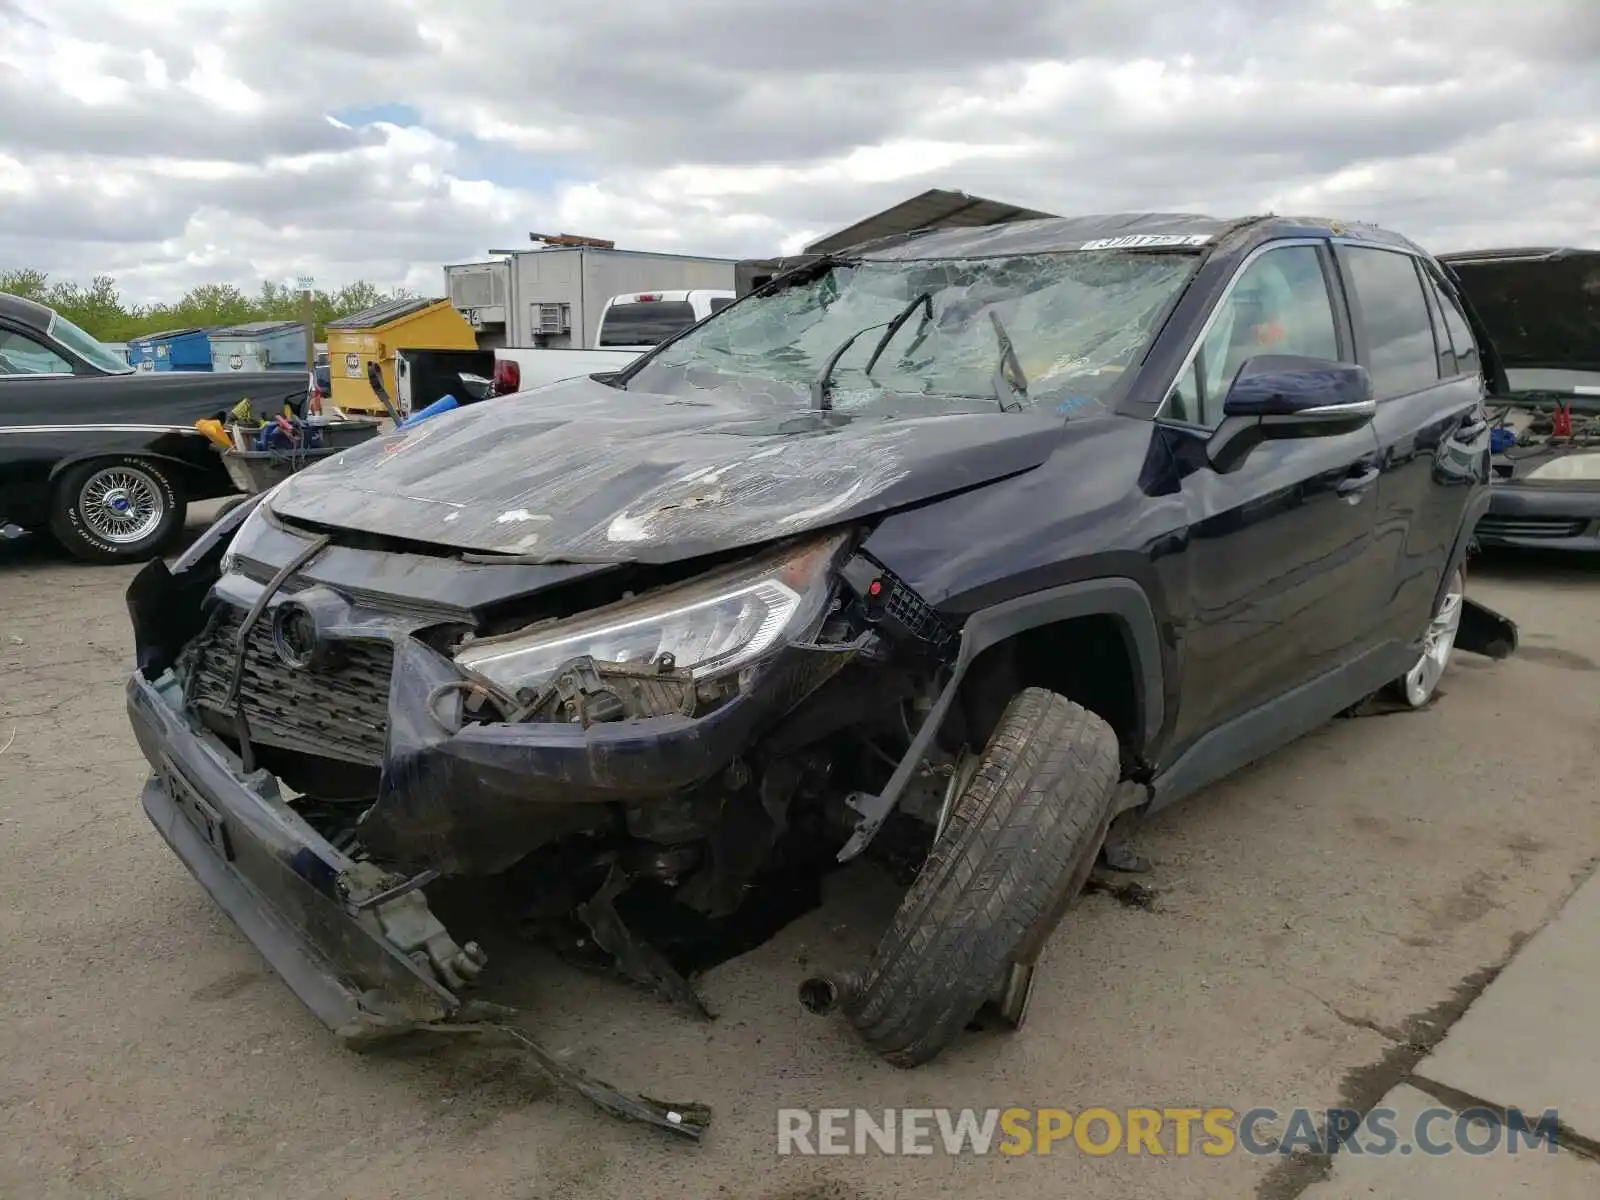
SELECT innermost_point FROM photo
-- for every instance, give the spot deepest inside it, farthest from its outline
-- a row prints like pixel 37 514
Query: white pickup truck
pixel 629 325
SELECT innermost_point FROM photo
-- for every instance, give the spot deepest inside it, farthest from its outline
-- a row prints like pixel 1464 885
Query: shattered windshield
pixel 1015 329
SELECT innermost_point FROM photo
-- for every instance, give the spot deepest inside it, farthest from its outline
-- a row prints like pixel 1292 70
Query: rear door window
pixel 718 303
pixel 645 323
pixel 1401 354
pixel 1462 342
pixel 1441 341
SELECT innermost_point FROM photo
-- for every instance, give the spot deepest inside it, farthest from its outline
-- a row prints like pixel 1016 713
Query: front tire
pixel 117 510
pixel 1008 863
pixel 1417 686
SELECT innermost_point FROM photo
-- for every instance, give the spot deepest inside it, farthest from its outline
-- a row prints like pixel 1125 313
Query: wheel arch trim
pixel 1116 596
pixel 85 457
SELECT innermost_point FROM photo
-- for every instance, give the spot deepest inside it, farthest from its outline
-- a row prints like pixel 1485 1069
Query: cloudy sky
pixel 172 142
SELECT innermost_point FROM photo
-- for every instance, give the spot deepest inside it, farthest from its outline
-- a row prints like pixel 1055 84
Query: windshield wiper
pixel 1015 383
pixel 822 385
pixel 925 301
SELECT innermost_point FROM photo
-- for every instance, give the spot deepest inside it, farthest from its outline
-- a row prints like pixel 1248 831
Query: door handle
pixel 1358 481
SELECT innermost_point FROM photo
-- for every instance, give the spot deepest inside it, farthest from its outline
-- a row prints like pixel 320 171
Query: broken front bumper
pixel 364 964
pixel 360 950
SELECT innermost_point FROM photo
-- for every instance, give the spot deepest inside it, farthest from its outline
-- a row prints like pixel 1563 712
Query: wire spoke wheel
pixel 121 505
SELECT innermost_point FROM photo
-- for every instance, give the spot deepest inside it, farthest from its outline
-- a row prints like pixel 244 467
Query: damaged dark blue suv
pixel 964 548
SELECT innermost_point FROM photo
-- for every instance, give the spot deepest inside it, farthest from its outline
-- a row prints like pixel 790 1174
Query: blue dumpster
pixel 171 350
pixel 259 346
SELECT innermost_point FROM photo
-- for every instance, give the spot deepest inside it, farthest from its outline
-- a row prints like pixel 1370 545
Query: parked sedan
pixel 1542 309
pixel 103 457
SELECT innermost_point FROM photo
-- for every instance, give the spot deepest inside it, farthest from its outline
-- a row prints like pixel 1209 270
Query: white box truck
pixel 552 297
pixel 576 305
pixel 629 325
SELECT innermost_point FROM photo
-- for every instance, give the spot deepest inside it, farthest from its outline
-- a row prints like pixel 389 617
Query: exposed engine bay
pixel 1535 436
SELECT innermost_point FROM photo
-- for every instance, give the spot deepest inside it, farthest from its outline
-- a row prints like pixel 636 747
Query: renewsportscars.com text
pixel 1212 1132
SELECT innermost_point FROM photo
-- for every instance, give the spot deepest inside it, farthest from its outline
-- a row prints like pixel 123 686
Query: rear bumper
pixel 294 896
pixel 1541 518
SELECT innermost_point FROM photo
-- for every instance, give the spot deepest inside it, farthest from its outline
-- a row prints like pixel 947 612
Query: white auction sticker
pixel 1140 241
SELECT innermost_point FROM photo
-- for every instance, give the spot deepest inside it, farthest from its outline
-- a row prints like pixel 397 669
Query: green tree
pixel 99 308
pixel 26 282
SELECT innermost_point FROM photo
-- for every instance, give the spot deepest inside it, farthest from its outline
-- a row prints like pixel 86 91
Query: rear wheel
pixel 116 510
pixel 1013 854
pixel 1418 685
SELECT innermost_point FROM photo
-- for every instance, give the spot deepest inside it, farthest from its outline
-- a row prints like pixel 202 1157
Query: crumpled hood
pixel 1540 307
pixel 583 472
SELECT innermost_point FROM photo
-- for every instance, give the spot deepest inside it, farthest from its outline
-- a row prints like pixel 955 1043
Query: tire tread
pixel 1046 781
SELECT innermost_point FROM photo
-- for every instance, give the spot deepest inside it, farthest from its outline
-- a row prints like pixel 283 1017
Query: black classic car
pixel 104 457
pixel 1541 307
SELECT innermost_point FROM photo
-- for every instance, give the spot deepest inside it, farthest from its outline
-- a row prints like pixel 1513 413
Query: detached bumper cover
pixel 364 959
pixel 1550 518
pixel 290 892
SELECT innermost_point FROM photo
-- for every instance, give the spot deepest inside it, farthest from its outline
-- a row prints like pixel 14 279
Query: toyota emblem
pixel 295 635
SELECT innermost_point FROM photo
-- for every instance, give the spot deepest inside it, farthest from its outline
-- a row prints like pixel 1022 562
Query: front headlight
pixel 710 626
pixel 1572 468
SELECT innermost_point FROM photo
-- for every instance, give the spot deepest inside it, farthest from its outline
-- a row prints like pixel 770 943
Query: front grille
pixel 341 711
pixel 1531 527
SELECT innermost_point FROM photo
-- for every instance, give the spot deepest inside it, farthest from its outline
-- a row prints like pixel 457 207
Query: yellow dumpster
pixel 376 333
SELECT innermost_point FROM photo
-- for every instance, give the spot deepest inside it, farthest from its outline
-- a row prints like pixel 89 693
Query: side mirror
pixel 1289 396
pixel 1292 389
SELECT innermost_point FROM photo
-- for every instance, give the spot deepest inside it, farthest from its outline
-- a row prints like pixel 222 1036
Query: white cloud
pixel 191 140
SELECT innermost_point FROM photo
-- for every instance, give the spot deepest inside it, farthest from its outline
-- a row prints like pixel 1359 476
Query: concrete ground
pixel 1524 1053
pixel 1317 924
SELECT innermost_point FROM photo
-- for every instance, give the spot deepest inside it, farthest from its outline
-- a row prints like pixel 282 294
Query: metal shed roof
pixel 386 313
pixel 934 207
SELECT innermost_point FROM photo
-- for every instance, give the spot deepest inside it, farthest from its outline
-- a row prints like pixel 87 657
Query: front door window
pixel 1278 305
pixel 21 355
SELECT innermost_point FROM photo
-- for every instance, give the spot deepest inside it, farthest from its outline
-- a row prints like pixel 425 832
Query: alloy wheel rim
pixel 1437 644
pixel 121 505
